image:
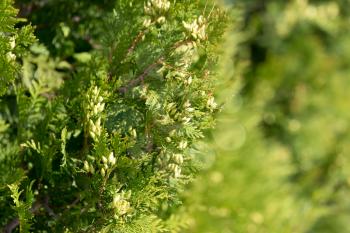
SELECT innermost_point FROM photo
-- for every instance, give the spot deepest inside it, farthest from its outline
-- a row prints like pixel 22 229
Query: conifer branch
pixel 73 143
pixel 136 41
pixel 144 74
pixel 15 222
pixel 141 77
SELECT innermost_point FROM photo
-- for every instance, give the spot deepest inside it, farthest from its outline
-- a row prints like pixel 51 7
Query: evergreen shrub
pixel 98 115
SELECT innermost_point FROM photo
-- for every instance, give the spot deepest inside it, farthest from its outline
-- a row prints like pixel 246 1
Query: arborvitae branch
pixel 109 149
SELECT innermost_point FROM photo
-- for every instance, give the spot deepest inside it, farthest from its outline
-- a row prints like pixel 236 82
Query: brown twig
pixel 11 225
pixel 140 78
pixel 48 209
pixel 136 41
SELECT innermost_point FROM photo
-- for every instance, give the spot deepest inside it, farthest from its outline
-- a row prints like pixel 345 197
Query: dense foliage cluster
pixel 104 106
pixel 97 120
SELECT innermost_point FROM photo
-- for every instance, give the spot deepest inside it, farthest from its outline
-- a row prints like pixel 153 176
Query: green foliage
pixel 13 43
pixel 282 144
pixel 22 208
pixel 99 136
pixel 102 119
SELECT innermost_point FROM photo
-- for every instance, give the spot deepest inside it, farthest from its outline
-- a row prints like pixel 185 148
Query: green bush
pixel 97 117
pixel 107 110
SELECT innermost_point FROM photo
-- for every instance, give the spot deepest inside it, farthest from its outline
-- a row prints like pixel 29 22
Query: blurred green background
pixel 280 151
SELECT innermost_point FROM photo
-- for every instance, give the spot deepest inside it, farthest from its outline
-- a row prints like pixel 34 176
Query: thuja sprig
pixel 94 108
